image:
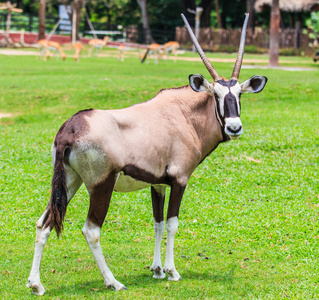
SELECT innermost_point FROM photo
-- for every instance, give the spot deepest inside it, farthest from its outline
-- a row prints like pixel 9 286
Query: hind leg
pixel 73 182
pixel 158 198
pixel 42 236
pixel 100 196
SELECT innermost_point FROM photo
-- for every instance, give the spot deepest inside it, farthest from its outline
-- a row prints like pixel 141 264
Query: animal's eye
pixel 215 95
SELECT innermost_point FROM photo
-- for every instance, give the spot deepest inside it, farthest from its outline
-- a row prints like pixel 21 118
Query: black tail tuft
pixel 59 200
pixel 143 59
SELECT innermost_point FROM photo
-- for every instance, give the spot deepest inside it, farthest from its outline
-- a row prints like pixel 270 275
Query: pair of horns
pixel 205 60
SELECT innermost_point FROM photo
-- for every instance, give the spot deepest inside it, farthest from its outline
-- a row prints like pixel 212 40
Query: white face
pixel 227 95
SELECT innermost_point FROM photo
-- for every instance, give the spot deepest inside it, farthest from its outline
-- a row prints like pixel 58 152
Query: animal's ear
pixel 199 84
pixel 254 84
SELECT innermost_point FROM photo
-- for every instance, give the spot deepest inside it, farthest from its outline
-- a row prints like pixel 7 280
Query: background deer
pixel 155 144
pixel 155 50
pixel 170 47
pixel 78 48
pixel 45 47
pixel 97 45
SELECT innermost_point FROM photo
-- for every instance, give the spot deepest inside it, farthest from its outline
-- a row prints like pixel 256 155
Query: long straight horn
pixel 240 55
pixel 201 53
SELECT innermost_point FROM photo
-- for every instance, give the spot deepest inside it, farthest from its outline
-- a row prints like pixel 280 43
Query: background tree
pixel 313 24
pixel 205 19
pixel 76 6
pixel 41 28
pixel 189 5
pixel 251 10
pixel 274 34
pixel 232 14
pixel 219 20
pixel 146 27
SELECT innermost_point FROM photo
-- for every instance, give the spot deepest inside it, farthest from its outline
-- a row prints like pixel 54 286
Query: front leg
pixel 158 198
pixel 177 192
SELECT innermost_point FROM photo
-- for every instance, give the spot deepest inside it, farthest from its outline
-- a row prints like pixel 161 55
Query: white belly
pixel 126 183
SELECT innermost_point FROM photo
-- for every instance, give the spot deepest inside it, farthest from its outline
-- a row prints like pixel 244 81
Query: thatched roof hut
pixel 293 7
pixel 289 5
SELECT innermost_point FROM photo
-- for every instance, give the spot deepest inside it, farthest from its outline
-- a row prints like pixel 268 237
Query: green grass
pixel 248 228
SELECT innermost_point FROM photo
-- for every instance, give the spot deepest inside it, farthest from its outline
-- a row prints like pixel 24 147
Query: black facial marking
pixel 227 83
pixel 230 106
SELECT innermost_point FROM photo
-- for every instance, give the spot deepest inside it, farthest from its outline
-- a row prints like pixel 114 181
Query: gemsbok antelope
pixel 155 144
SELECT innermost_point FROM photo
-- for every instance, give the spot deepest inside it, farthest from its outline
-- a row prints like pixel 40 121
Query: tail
pixel 59 200
pixel 143 59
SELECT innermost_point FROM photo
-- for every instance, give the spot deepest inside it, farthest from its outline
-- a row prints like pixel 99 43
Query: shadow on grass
pixel 222 277
pixel 141 281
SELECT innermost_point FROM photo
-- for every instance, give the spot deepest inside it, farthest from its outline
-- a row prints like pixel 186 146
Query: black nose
pixel 234 131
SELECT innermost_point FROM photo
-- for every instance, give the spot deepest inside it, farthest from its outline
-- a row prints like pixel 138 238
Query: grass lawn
pixel 249 217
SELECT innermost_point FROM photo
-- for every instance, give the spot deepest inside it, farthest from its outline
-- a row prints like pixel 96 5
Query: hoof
pixel 174 278
pixel 158 273
pixel 173 275
pixel 37 288
pixel 116 286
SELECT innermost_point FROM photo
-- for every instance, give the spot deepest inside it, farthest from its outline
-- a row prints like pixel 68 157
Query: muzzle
pixel 233 127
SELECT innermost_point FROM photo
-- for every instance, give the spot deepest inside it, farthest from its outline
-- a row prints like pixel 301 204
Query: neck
pixel 204 120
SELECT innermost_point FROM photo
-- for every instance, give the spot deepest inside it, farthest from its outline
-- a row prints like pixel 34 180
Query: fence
pixel 210 38
pixel 30 23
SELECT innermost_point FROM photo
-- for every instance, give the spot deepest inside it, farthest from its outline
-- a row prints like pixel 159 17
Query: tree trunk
pixel 77 7
pixel 19 4
pixel 274 34
pixel 7 33
pixel 146 27
pixel 41 28
pixel 108 14
pixel 250 9
pixel 205 17
pixel 189 5
pixel 291 20
pixel 219 20
pixel 297 31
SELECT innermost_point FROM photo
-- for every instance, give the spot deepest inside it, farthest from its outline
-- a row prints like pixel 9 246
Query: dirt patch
pixel 5 115
pixel 246 61
pixel 279 68
pixel 17 52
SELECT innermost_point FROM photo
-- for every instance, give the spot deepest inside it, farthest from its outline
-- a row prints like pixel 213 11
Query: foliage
pixel 249 217
pixel 290 52
pixel 106 11
pixel 313 24
pixel 254 49
pixel 164 15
